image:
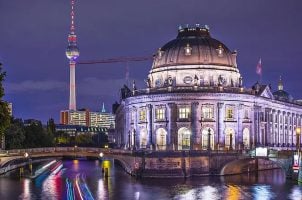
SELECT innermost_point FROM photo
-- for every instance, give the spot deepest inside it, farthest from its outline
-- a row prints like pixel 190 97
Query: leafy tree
pixel 15 134
pixel 83 139
pixel 36 136
pixel 4 113
pixel 51 128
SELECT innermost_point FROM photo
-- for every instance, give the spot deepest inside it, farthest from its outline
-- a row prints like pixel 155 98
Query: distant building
pixel 74 130
pixel 84 117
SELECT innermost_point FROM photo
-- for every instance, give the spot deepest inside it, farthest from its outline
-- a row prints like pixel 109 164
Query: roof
pixel 203 49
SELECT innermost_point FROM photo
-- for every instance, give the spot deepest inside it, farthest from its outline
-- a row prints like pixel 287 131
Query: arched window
pixel 229 138
pixel 161 139
pixel 246 138
pixel 206 132
pixel 184 136
pixel 143 138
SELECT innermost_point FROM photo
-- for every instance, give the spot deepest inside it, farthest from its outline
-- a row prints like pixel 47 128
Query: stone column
pixel 273 126
pixel 220 125
pixel 267 134
pixel 194 124
pixel 150 125
pixel 256 124
pixel 172 125
pixel 239 136
pixel 278 126
pixel 127 127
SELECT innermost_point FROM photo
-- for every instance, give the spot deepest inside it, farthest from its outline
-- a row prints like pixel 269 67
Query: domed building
pixel 195 100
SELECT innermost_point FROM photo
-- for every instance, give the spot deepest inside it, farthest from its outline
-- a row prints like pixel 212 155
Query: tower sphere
pixel 72 52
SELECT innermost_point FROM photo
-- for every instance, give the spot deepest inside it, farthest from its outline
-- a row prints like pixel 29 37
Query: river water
pixel 83 179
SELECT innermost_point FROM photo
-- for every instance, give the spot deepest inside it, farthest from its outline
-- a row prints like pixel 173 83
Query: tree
pixel 4 112
pixel 36 136
pixel 15 134
pixel 51 128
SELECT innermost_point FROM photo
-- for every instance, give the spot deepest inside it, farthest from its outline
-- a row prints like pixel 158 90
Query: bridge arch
pixel 246 165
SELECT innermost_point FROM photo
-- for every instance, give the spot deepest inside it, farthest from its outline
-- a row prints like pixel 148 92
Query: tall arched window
pixel 143 138
pixel 184 137
pixel 229 138
pixel 205 138
pixel 246 138
pixel 161 139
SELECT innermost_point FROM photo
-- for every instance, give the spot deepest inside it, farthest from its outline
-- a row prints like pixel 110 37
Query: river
pixel 86 180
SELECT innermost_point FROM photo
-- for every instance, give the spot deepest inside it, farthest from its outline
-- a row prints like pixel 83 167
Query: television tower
pixel 72 53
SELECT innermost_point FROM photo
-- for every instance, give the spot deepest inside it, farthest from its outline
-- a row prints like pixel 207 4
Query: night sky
pixel 33 39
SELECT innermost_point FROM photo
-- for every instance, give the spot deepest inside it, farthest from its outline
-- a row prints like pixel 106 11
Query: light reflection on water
pixel 119 185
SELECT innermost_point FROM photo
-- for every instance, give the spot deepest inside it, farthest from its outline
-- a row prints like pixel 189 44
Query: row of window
pixel 184 112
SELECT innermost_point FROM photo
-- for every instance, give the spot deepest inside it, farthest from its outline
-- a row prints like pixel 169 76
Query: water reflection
pixel 87 180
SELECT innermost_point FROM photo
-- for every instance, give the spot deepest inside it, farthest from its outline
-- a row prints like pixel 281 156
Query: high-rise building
pixel 84 117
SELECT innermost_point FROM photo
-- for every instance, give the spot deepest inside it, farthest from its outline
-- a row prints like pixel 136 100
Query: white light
pixel 101 154
pixel 25 154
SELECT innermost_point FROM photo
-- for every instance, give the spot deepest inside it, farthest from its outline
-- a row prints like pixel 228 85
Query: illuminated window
pixel 229 113
pixel 142 115
pixel 160 113
pixel 188 50
pixel 207 111
pixel 184 112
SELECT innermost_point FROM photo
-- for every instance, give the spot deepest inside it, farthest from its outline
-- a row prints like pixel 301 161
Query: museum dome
pixel 194 58
pixel 194 46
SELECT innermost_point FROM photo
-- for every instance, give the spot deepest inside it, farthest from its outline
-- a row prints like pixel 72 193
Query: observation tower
pixel 72 53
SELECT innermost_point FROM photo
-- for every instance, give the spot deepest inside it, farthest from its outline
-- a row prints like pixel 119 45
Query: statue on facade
pixel 148 82
pixel 240 81
pixel 220 80
pixel 134 86
pixel 170 81
pixel 195 80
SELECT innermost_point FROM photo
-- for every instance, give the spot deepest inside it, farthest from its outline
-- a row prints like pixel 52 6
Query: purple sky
pixel 33 39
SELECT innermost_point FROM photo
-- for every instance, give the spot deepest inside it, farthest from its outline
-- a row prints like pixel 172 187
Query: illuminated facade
pixel 195 99
pixel 84 117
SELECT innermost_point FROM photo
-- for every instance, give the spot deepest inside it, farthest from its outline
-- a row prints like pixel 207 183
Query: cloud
pixel 35 86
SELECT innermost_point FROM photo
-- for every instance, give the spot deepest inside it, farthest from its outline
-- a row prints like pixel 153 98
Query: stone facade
pixel 193 103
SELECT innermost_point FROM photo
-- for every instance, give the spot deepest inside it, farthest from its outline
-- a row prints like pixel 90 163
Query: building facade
pixel 195 100
pixel 84 117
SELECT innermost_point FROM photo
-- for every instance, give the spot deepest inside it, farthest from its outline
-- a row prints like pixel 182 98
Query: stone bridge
pixel 154 163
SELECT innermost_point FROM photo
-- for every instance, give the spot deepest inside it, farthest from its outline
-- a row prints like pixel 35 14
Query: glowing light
pixel 26 155
pixel 101 154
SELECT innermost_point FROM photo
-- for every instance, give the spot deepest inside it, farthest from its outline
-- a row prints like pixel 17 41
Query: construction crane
pixel 116 60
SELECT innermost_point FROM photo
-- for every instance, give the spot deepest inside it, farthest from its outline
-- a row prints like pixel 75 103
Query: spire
pixel 280 84
pixel 103 108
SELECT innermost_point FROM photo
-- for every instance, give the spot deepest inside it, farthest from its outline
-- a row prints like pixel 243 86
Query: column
pixel 127 127
pixel 273 127
pixel 256 125
pixel 172 125
pixel 150 126
pixel 278 126
pixel 220 125
pixel 267 134
pixel 194 124
pixel 239 134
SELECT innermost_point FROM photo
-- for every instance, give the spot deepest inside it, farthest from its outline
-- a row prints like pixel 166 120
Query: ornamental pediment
pixel 266 93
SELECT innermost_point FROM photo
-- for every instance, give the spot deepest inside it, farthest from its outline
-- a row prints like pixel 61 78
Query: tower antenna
pixel 72 53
